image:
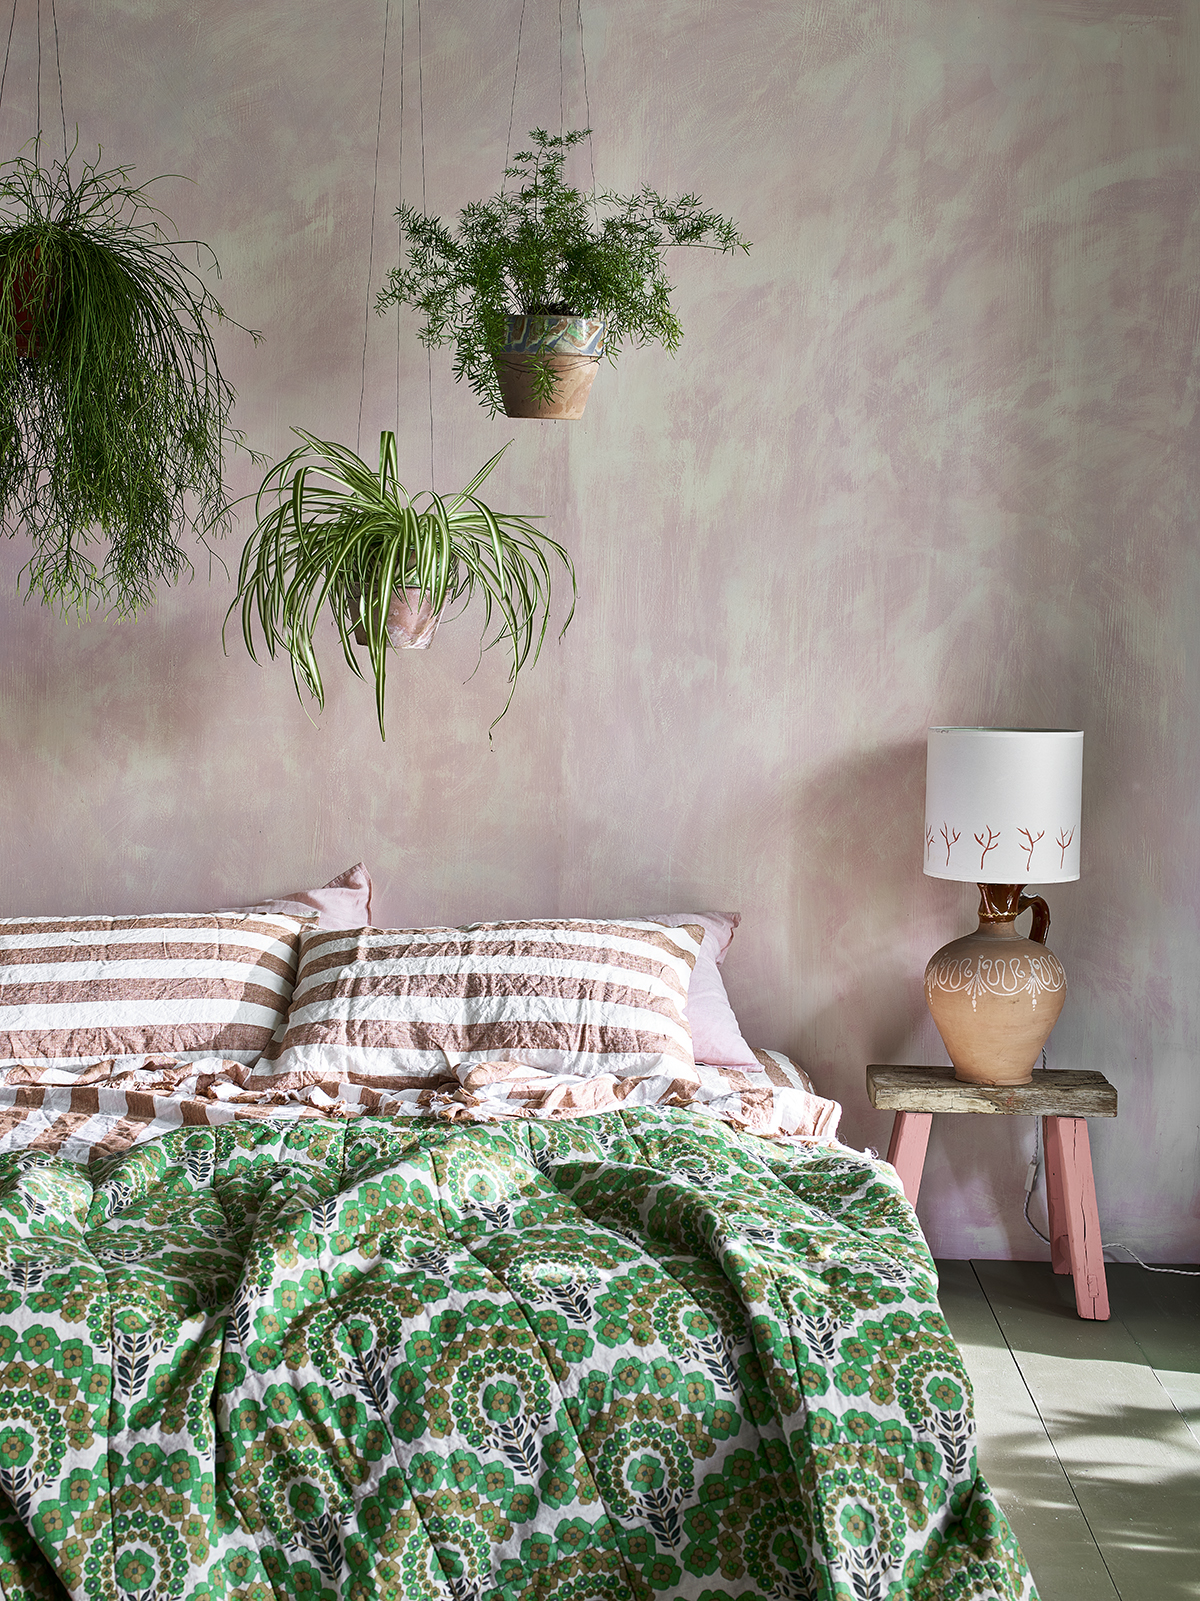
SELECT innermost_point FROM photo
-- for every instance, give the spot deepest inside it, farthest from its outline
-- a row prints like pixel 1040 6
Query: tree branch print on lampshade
pixel 1005 803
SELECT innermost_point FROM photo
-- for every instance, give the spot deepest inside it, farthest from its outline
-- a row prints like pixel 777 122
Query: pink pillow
pixel 716 1037
pixel 345 902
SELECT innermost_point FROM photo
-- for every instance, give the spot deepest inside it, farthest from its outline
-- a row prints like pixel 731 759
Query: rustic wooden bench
pixel 1064 1101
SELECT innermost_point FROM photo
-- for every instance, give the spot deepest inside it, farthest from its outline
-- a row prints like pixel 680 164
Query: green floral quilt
pixel 641 1355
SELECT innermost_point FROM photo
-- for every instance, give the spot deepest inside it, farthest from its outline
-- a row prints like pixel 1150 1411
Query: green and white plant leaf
pixel 333 533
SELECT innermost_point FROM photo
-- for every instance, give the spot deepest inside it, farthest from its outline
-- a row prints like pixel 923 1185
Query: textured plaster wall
pixel 928 454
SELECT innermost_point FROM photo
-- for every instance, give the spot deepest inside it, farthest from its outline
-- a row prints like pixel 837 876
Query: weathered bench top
pixel 1055 1092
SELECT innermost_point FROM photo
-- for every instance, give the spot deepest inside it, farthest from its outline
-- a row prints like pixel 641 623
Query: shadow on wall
pixel 864 907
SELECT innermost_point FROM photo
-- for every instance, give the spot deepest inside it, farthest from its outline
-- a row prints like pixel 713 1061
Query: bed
pixel 316 1289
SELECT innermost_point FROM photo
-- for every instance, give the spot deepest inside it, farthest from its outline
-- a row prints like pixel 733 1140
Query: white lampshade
pixel 1002 804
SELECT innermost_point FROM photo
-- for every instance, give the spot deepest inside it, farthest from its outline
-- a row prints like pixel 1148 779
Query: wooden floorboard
pixel 1162 1312
pixel 1132 1462
pixel 1015 1453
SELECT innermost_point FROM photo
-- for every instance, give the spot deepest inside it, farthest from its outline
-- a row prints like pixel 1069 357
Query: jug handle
pixel 1041 916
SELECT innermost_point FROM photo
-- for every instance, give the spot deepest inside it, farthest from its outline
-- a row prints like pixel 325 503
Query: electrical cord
pixel 1031 1173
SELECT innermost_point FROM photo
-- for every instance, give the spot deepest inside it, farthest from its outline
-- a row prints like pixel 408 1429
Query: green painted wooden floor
pixel 1088 1432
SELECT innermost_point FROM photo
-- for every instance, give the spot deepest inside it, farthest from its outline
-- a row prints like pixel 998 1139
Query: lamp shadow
pixel 863 903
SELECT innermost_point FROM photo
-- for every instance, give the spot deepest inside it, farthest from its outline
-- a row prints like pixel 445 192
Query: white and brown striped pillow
pixel 79 990
pixel 569 996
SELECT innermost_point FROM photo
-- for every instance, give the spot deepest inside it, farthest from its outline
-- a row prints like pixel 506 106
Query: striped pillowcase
pixel 569 997
pixel 75 991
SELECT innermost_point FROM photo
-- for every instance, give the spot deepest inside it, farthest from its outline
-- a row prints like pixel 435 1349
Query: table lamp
pixel 1002 811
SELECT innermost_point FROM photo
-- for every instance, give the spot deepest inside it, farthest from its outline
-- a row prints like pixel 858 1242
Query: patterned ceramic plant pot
pixel 411 621
pixel 994 995
pixel 570 347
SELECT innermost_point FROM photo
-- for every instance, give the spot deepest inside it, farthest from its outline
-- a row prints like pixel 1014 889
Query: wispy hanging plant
pixel 114 413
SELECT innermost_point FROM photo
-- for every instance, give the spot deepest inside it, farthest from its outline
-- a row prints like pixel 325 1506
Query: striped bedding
pixel 568 996
pixel 75 991
pixel 102 1112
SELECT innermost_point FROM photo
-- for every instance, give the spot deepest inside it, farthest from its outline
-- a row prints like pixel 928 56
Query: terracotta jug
pixel 994 995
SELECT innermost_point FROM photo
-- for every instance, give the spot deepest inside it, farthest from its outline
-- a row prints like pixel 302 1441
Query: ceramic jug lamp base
pixel 995 995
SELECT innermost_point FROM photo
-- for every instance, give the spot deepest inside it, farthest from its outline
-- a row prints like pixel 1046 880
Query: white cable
pixel 1105 1245
pixel 1119 1245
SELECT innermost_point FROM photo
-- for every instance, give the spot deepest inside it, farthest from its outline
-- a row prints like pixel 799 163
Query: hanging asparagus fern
pixel 114 414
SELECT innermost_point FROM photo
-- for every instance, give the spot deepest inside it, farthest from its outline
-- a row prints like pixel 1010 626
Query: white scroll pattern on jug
pixel 990 975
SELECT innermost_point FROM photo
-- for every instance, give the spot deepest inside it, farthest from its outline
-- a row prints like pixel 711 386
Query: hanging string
pixel 400 201
pixel 425 212
pixel 587 104
pixel 8 47
pixel 562 121
pixel 62 110
pixel 513 101
pixel 362 391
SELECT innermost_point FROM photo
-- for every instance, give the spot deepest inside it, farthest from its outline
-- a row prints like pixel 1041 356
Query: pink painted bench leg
pixel 1060 1251
pixel 1071 1196
pixel 906 1153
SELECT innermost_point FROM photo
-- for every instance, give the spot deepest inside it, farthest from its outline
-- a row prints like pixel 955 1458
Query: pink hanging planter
pixel 411 621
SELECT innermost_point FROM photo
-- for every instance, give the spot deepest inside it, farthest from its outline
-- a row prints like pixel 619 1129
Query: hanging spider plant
pixel 114 414
pixel 332 532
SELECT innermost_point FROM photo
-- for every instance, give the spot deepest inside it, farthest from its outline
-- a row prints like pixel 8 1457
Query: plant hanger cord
pixel 562 123
pixel 62 110
pixel 512 105
pixel 425 209
pixel 362 392
pixel 12 22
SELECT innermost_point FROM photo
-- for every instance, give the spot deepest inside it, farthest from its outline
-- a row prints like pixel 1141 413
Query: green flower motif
pixel 860 1426
pixel 857 1525
pixel 501 1401
pixel 37 1344
pixel 135 1570
pixel 645 1474
pixel 16 1448
pixel 944 1393
pixel 306 1502
pixel 851 1380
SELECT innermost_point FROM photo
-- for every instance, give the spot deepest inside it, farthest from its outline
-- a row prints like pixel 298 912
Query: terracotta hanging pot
pixel 571 347
pixel 411 621
pixel 31 309
pixel 994 995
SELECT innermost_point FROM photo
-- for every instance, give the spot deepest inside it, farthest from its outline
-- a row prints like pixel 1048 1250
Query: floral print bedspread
pixel 641 1355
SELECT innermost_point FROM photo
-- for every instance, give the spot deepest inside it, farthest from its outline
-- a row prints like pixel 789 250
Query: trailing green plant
pixel 114 414
pixel 332 532
pixel 546 248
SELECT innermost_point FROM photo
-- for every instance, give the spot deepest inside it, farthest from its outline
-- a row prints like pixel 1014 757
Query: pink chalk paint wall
pixel 927 455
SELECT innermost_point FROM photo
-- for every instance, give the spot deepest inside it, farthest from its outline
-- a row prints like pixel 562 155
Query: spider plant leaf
pixel 333 534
